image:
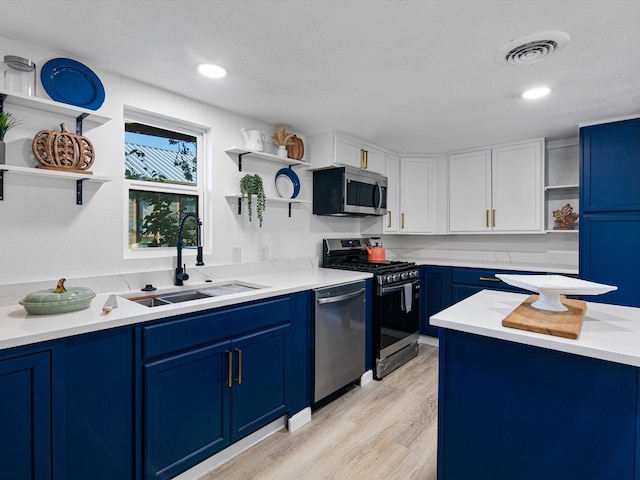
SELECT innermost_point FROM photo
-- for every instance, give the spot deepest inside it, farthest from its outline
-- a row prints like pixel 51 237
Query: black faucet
pixel 181 270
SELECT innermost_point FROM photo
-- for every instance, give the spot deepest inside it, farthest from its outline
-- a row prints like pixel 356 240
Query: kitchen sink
pixel 170 298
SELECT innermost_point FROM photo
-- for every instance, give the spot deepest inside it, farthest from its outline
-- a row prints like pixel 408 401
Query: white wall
pixel 45 235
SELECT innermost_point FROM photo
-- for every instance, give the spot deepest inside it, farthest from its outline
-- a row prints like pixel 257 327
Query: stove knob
pixel 413 274
pixel 396 277
pixel 404 275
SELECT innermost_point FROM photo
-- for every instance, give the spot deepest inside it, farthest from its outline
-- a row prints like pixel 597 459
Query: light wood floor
pixel 384 430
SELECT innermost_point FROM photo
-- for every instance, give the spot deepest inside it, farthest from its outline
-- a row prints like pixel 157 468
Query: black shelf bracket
pixel 240 155
pixel 2 97
pixel 79 120
pixel 240 206
pixel 289 209
pixel 2 183
pixel 79 191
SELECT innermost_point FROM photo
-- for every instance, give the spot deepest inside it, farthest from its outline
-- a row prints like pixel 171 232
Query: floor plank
pixel 384 430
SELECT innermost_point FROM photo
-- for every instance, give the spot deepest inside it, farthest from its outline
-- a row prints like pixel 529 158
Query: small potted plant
pixel 252 185
pixel 281 138
pixel 7 122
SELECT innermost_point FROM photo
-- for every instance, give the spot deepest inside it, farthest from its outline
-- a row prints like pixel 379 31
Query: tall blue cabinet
pixel 610 209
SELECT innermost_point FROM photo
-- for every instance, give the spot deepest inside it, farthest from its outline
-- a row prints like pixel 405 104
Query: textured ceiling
pixel 411 76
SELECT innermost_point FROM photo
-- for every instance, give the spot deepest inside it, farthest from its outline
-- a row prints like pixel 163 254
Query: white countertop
pixel 17 327
pixel 609 332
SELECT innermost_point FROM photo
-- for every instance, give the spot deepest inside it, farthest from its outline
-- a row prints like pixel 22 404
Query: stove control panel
pixel 400 277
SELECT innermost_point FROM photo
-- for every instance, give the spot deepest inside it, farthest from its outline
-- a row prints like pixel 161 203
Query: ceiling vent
pixel 532 48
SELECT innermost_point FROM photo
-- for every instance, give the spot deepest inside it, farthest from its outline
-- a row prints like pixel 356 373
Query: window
pixel 161 168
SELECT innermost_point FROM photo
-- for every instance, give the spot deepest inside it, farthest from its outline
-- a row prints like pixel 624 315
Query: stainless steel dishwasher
pixel 340 317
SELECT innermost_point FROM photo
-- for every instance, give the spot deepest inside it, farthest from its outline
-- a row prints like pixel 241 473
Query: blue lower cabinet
pixel 510 411
pixel 435 295
pixel 186 409
pixel 212 378
pixel 94 393
pixel 25 417
pixel 468 281
pixel 259 393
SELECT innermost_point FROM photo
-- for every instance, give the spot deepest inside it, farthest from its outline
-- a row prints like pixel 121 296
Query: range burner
pixel 373 267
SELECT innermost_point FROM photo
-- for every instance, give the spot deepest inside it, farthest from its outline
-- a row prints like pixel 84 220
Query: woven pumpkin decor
pixel 63 150
pixel 295 149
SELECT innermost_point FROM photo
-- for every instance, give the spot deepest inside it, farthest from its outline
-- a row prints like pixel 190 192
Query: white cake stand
pixel 550 287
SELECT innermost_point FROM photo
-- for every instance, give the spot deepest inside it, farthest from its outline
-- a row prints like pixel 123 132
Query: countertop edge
pixel 17 328
pixel 609 332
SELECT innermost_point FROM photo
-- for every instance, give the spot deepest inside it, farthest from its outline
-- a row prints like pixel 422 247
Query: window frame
pixel 200 132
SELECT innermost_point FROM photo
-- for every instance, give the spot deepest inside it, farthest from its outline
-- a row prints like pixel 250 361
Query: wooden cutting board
pixel 560 324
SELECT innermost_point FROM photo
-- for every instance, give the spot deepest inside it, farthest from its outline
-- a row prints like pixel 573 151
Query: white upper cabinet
pixel 417 195
pixel 392 172
pixel 497 189
pixel 329 148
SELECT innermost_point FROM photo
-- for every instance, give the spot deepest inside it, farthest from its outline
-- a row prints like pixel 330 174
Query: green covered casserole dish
pixel 58 300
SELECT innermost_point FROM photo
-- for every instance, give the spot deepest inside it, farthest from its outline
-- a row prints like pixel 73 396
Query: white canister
pixel 19 75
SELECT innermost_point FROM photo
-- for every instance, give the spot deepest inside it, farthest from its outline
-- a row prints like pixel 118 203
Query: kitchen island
pixel 521 405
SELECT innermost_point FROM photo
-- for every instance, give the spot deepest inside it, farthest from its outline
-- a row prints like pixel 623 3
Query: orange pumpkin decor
pixel 295 149
pixel 63 150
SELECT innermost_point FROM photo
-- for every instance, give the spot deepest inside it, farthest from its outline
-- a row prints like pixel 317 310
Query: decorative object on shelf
pixel 254 139
pixel 295 149
pixel 19 75
pixel 565 218
pixel 252 185
pixel 287 183
pixel 71 82
pixel 58 300
pixel 7 122
pixel 281 138
pixel 63 150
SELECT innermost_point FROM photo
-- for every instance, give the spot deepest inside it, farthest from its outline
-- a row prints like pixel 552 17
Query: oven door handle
pixel 385 290
pixel 340 298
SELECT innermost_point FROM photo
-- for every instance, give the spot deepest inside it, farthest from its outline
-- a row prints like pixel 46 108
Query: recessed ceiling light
pixel 538 92
pixel 212 70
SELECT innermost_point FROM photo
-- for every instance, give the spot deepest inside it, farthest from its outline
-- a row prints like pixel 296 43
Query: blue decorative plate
pixel 71 82
pixel 287 183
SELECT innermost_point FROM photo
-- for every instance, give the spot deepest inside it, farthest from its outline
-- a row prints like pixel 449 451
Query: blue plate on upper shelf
pixel 287 183
pixel 73 83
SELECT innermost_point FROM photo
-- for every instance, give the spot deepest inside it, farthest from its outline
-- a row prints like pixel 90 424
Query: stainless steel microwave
pixel 349 191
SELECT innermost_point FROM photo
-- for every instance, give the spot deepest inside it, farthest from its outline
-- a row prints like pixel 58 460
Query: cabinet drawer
pixel 483 278
pixel 214 325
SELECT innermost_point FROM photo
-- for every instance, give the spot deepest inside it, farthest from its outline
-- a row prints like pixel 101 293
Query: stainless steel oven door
pixel 396 317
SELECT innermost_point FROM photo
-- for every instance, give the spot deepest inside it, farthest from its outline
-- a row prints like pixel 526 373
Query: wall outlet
pixel 236 255
pixel 263 253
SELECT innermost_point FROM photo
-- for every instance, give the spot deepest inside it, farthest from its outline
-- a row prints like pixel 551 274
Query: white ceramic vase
pixel 282 151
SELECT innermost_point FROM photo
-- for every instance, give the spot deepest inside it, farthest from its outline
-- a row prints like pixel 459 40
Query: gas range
pixel 351 254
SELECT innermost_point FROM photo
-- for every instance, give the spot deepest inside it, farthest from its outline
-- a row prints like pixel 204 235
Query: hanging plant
pixel 252 185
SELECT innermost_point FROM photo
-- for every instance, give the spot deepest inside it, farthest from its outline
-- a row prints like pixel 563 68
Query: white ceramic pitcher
pixel 254 139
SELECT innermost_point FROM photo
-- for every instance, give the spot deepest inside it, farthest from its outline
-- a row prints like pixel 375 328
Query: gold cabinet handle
pixel 239 379
pixel 493 218
pixel 389 225
pixel 366 159
pixel 487 218
pixel 229 369
pixel 402 220
pixel 488 279
pixel 362 158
